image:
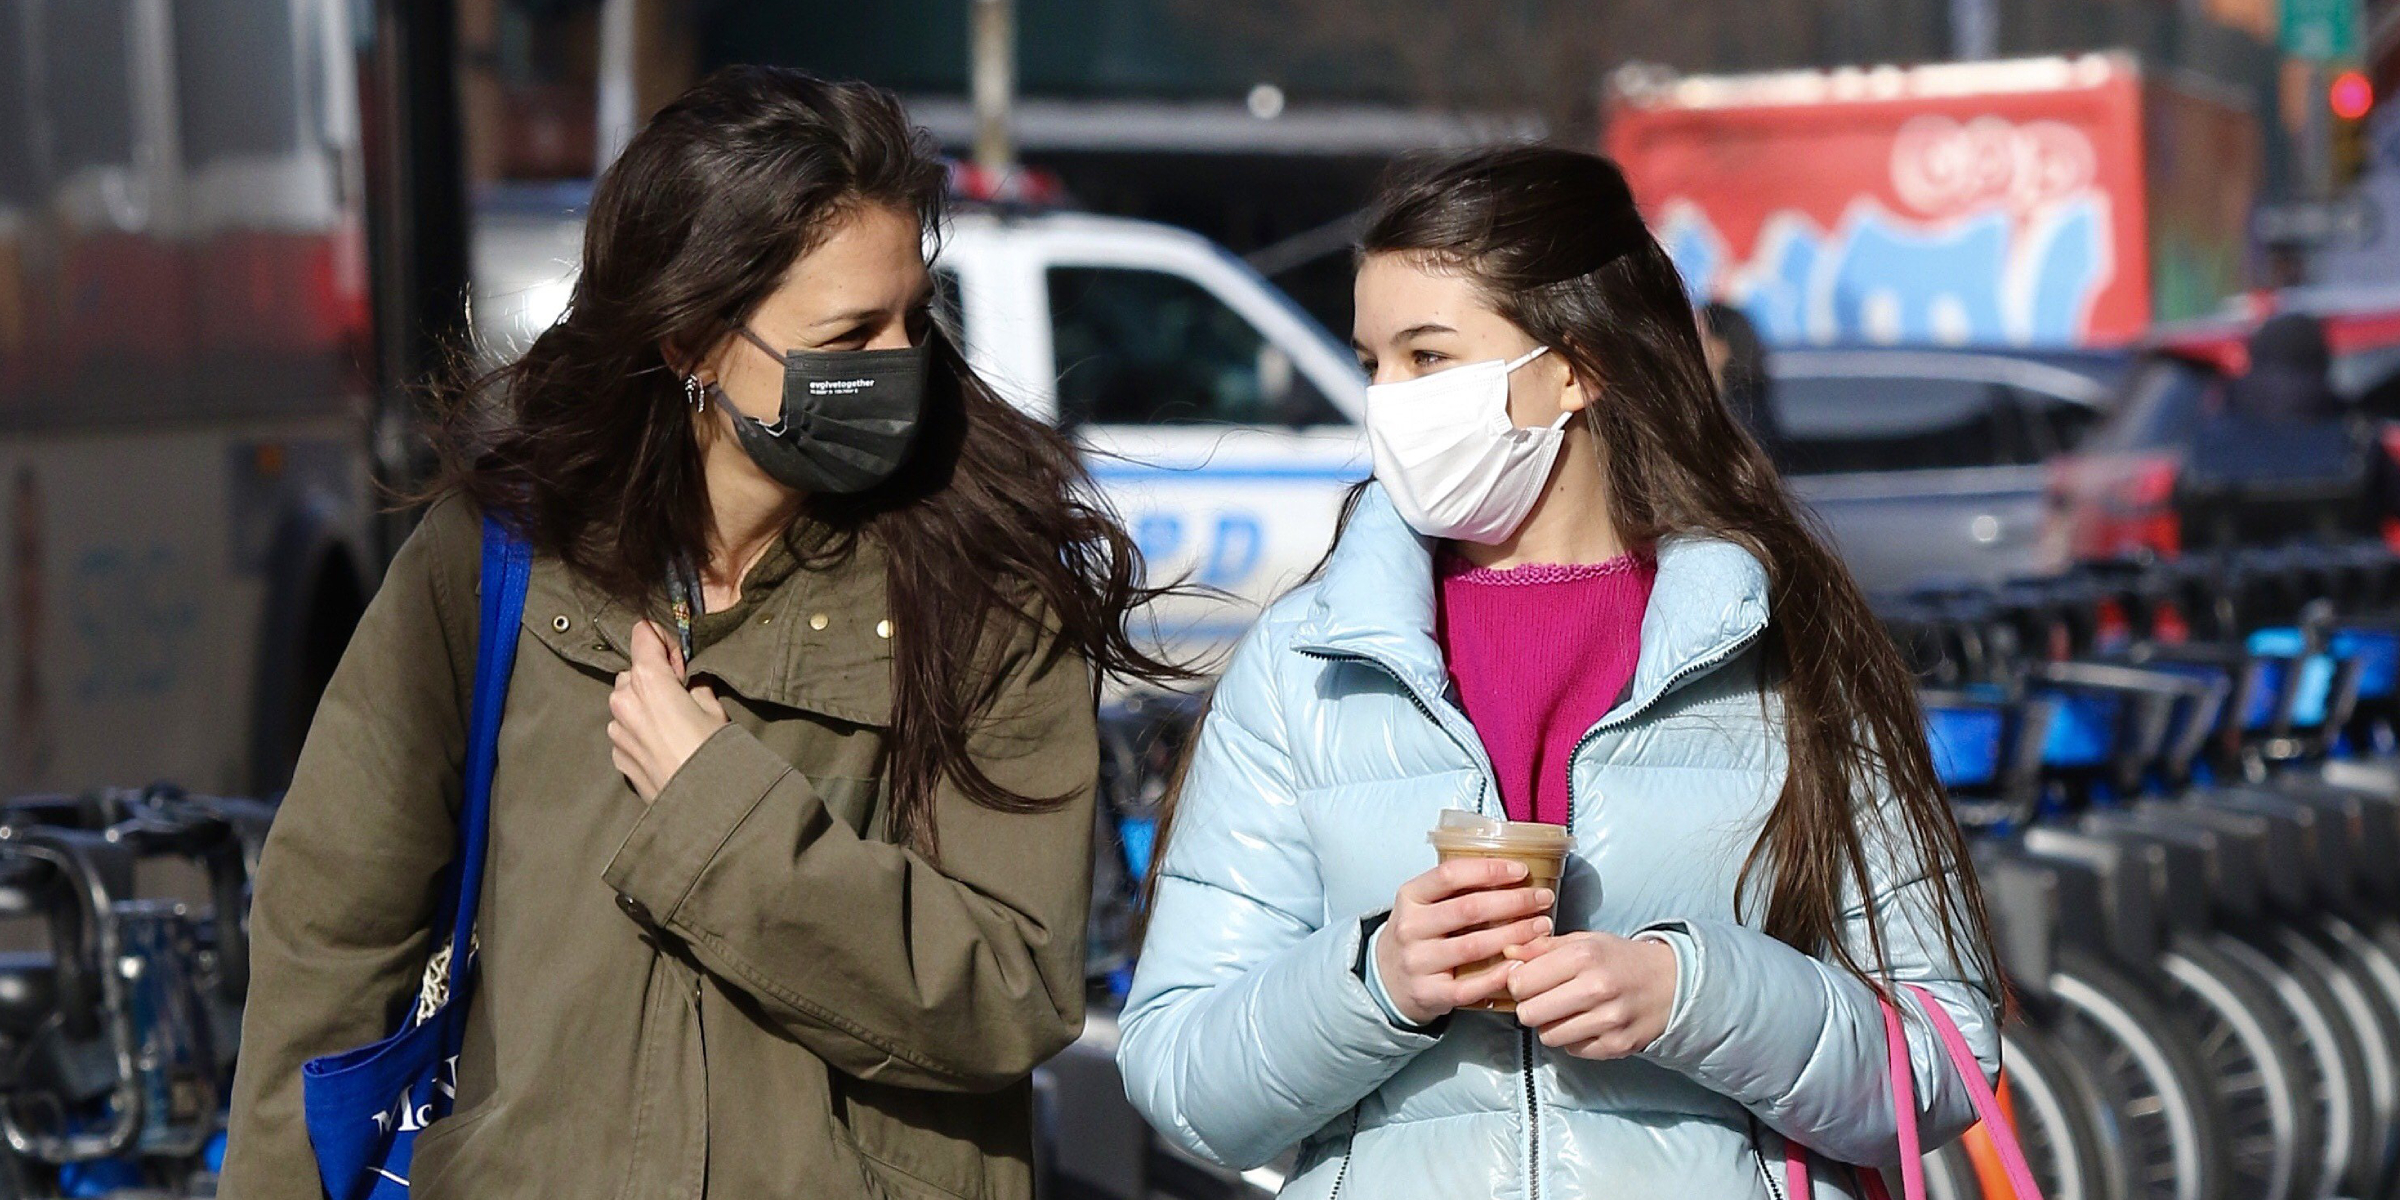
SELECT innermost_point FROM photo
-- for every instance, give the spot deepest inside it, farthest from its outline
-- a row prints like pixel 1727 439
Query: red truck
pixel 2039 202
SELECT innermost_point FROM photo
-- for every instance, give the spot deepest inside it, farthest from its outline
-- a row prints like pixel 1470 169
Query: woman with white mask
pixel 1575 595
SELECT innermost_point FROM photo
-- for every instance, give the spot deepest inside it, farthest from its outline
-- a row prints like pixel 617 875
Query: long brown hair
pixel 587 439
pixel 1553 240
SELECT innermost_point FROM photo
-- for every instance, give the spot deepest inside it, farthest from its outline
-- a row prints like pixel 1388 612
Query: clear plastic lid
pixel 1459 829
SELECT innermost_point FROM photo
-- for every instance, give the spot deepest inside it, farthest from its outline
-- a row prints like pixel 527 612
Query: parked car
pixel 2124 492
pixel 1927 464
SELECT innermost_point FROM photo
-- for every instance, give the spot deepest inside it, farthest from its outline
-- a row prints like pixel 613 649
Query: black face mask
pixel 849 417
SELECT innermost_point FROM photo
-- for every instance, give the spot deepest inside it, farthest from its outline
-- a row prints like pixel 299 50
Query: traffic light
pixel 2351 97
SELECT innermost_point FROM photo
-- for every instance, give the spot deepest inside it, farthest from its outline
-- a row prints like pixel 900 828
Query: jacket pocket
pixel 917 1142
pixel 666 1147
pixel 887 1182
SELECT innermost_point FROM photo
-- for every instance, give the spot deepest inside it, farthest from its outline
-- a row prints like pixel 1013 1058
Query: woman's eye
pixel 1366 366
pixel 1427 358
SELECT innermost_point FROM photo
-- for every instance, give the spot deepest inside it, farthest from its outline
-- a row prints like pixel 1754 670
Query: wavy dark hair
pixel 588 440
pixel 1553 240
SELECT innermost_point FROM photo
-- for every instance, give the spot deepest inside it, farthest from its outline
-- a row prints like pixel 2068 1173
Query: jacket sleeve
pixel 1248 1027
pixel 348 882
pixel 1800 1042
pixel 961 976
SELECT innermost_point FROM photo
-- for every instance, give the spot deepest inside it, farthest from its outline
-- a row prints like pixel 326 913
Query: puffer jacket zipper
pixel 1529 1051
pixel 1489 787
pixel 1766 1172
pixel 1707 662
pixel 1349 1147
pixel 1533 1118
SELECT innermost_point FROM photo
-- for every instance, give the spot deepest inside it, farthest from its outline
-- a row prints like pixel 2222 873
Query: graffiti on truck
pixel 1878 277
pixel 1984 232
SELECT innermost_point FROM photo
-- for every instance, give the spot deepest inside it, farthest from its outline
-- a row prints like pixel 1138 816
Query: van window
pixel 1841 423
pixel 1141 347
pixel 2058 424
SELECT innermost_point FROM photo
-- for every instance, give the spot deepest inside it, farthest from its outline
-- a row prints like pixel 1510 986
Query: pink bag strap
pixel 1904 1108
pixel 1987 1105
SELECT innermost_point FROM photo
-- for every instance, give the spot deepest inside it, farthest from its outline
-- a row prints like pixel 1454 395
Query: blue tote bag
pixel 366 1106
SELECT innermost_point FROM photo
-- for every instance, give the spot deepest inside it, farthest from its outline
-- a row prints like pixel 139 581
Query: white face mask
pixel 1454 464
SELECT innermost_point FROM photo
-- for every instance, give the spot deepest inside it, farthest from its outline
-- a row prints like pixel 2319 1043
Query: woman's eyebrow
pixel 851 317
pixel 924 296
pixel 1415 331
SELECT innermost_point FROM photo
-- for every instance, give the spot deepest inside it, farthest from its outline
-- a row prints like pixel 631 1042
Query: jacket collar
pixel 1375 599
pixel 779 656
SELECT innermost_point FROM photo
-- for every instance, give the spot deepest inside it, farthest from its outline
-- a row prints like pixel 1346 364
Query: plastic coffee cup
pixel 1541 846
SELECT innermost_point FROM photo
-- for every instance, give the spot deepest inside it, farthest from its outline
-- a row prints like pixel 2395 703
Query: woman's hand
pixel 1437 924
pixel 655 723
pixel 1594 995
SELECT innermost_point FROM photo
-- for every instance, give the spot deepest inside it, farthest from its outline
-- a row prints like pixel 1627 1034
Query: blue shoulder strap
pixel 507 564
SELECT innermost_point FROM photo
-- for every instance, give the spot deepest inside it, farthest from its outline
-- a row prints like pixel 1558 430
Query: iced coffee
pixel 1542 847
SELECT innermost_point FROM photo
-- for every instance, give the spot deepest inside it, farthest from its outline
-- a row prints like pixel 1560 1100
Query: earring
pixel 696 392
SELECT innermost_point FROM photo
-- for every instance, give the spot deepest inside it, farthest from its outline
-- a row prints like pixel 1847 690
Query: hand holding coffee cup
pixel 1461 914
pixel 1495 888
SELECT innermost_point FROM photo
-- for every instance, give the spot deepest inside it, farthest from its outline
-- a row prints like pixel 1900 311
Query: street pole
pixel 994 72
pixel 613 122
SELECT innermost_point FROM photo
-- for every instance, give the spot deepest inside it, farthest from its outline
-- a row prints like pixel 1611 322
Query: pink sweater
pixel 1540 653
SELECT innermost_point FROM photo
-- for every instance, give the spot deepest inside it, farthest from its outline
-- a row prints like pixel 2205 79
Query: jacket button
pixel 819 621
pixel 560 624
pixel 883 629
pixel 636 909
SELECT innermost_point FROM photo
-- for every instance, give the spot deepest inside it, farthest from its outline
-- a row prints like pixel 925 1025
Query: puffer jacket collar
pixel 1375 600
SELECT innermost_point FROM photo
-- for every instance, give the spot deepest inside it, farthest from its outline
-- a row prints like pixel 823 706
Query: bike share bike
pixel 2180 786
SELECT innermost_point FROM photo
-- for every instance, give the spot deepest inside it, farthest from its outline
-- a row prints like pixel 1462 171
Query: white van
pixel 1223 421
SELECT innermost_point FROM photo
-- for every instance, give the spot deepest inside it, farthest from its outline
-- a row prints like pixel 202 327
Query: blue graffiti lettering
pixel 1984 279
pixel 1895 284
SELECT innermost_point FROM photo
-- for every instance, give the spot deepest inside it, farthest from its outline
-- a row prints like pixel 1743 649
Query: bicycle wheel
pixel 1950 1175
pixel 2068 1127
pixel 2272 1125
pixel 2378 1044
pixel 2378 972
pixel 2168 1099
pixel 2315 1023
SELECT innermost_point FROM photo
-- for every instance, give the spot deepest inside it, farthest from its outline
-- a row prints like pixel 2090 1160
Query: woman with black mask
pixel 790 832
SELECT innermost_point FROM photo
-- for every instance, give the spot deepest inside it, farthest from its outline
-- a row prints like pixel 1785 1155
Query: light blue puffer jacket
pixel 1330 747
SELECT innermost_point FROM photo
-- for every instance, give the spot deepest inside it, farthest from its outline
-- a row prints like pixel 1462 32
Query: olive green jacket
pixel 741 990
